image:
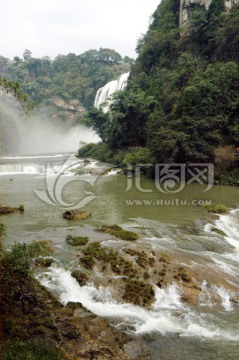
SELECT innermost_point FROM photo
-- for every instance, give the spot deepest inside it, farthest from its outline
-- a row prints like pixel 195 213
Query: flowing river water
pixel 172 224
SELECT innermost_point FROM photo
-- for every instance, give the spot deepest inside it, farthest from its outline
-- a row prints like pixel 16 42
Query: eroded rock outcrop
pixel 186 7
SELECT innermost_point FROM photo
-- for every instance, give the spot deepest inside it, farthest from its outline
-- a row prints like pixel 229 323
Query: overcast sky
pixel 52 27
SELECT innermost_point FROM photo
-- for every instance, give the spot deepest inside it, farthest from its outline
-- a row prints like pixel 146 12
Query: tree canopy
pixel 182 101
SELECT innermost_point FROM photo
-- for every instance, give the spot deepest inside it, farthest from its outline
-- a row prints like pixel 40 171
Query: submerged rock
pixel 76 214
pixel 10 210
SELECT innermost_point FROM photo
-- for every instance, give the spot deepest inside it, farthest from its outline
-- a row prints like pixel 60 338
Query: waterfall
pixel 104 94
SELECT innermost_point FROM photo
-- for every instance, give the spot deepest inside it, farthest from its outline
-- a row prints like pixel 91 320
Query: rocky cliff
pixel 186 5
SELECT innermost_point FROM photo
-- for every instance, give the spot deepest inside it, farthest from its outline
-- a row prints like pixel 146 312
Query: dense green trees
pixel 68 76
pixel 182 99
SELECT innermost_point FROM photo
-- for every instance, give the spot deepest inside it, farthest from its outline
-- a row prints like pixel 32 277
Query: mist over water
pixel 40 136
pixel 21 135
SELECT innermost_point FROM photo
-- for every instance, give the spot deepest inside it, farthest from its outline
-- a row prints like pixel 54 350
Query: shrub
pixel 34 350
pixel 18 260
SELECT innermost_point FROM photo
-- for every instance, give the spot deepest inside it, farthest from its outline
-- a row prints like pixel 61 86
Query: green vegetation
pixel 141 258
pixel 216 208
pixel 69 76
pixel 15 88
pixel 19 260
pixel 94 252
pixel 32 350
pixel 138 292
pixel 181 103
pixel 118 232
pixel 77 240
pixel 25 307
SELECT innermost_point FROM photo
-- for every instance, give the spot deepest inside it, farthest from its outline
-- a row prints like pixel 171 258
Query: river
pixel 173 224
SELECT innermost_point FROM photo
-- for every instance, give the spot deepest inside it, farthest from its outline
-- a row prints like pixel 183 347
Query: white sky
pixel 52 27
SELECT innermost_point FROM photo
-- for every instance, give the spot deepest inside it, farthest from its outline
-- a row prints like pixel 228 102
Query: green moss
pixel 87 262
pixel 138 292
pixel 77 240
pixel 141 257
pixel 216 208
pixel 118 232
pixel 117 263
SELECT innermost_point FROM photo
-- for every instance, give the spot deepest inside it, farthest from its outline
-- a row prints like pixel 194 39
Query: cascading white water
pixel 167 315
pixel 104 94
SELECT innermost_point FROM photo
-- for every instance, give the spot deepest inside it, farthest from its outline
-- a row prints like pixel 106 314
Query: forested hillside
pixel 69 81
pixel 182 99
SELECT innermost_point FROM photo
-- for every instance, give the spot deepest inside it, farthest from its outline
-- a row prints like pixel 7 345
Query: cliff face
pixel 185 6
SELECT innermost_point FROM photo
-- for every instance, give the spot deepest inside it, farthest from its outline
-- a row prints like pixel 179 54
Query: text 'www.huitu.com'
pixel 164 202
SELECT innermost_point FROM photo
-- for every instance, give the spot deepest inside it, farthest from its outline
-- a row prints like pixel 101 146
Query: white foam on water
pixel 167 315
pixel 205 298
pixel 113 172
pixel 225 296
pixel 229 224
pixel 15 169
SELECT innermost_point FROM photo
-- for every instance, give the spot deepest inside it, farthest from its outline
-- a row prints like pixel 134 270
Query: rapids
pixel 171 326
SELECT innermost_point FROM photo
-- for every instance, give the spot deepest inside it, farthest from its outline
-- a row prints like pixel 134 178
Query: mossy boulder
pixel 80 277
pixel 77 240
pixel 138 292
pixel 216 208
pixel 76 215
pixel 10 210
pixel 87 261
pixel 118 232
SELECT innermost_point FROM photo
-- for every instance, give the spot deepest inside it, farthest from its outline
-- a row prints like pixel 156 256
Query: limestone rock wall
pixel 185 6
